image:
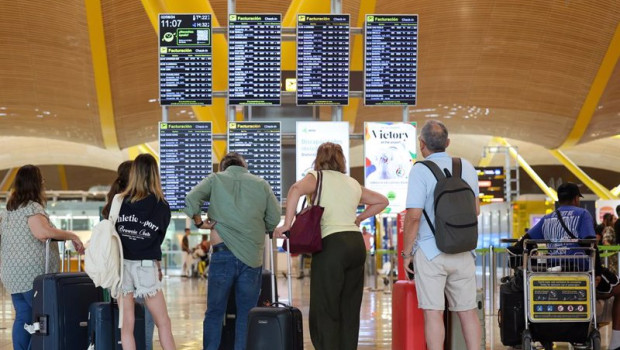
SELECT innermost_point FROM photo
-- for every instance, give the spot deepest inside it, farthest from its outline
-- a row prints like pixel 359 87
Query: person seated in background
pixel 581 225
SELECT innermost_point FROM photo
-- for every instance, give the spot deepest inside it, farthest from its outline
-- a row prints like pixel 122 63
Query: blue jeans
pixel 227 272
pixel 149 326
pixel 22 302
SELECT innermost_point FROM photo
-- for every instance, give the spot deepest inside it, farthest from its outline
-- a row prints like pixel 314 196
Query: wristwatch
pixel 198 225
pixel 402 253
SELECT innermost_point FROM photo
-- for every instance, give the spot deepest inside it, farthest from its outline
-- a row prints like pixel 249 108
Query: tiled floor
pixel 187 302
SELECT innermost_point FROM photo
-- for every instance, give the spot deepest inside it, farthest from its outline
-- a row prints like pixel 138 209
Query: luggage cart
pixel 559 294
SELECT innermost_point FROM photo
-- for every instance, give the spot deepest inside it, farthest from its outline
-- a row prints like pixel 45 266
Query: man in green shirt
pixel 242 207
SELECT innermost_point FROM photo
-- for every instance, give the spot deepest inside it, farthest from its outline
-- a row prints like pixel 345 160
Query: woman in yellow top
pixel 337 273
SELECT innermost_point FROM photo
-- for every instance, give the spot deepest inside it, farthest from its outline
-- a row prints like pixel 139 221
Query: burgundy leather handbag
pixel 305 233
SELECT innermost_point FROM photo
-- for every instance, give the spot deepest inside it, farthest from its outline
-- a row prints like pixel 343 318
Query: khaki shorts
pixel 452 275
pixel 142 281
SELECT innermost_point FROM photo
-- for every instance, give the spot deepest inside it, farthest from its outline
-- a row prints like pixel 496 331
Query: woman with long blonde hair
pixel 142 222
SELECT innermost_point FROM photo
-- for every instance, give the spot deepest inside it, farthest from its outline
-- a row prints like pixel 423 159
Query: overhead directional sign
pixel 390 60
pixel 185 152
pixel 254 59
pixel 185 50
pixel 322 60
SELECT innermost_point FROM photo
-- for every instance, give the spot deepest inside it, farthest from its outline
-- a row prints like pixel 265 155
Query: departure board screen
pixel 491 183
pixel 322 60
pixel 254 59
pixel 391 60
pixel 185 158
pixel 185 59
pixel 260 143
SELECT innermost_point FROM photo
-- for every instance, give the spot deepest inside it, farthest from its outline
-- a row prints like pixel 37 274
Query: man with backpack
pixel 441 221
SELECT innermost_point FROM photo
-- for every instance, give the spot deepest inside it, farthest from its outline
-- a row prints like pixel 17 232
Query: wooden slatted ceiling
pixel 606 120
pixel 46 75
pixel 529 60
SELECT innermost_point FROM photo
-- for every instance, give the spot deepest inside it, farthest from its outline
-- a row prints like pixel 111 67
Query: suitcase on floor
pixel 454 337
pixel 264 299
pixel 103 328
pixel 60 306
pixel 277 327
pixel 511 316
pixel 407 318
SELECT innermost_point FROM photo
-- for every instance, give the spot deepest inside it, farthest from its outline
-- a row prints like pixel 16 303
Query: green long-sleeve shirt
pixel 244 207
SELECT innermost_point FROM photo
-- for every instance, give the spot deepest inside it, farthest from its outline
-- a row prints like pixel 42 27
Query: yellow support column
pixel 550 192
pixel 597 188
pixel 62 176
pixel 99 57
pixel 216 113
pixel 488 157
pixel 349 113
pixel 597 88
pixel 6 183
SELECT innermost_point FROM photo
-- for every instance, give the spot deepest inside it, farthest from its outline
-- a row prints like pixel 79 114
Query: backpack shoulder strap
pixel 115 209
pixel 434 168
pixel 457 167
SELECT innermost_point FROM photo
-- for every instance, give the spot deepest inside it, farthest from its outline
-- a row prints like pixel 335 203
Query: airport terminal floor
pixel 186 298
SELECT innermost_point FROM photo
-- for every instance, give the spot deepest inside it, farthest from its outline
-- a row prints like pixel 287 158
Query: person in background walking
pixel 24 228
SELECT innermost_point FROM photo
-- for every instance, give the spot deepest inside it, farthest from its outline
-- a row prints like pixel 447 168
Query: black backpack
pixel 456 221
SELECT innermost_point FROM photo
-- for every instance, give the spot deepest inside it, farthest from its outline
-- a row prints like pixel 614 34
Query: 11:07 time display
pixel 173 23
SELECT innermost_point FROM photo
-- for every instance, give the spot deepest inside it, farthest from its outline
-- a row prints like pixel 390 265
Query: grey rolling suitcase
pixel 456 341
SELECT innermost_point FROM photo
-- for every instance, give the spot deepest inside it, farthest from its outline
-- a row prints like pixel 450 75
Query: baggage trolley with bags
pixel 559 293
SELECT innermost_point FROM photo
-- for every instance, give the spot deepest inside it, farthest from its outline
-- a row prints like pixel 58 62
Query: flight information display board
pixel 491 183
pixel 390 60
pixel 185 59
pixel 185 152
pixel 260 143
pixel 322 60
pixel 254 59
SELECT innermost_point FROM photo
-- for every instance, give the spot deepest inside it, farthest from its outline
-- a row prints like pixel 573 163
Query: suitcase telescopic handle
pixel 273 271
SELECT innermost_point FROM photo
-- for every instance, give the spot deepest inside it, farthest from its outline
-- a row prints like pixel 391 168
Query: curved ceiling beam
pixel 592 184
pixel 550 192
pixel 216 113
pixel 99 56
pixel 596 91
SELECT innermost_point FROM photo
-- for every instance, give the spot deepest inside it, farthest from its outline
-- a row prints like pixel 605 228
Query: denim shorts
pixel 142 281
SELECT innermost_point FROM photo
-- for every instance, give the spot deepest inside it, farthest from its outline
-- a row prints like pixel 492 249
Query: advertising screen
pixel 254 59
pixel 185 151
pixel 185 59
pixel 389 151
pixel 322 60
pixel 260 143
pixel 310 135
pixel 390 60
pixel 491 183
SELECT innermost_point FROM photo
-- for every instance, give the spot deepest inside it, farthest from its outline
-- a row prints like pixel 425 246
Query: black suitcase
pixel 276 327
pixel 511 315
pixel 60 306
pixel 103 330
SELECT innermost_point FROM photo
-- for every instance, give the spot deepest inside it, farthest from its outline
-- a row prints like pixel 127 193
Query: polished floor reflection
pixel 186 299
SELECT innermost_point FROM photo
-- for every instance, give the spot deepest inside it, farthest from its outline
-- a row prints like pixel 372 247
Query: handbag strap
pixel 557 212
pixel 319 188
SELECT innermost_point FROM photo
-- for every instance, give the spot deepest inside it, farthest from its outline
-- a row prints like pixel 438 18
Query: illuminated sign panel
pixel 254 59
pixel 185 152
pixel 185 50
pixel 491 182
pixel 390 60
